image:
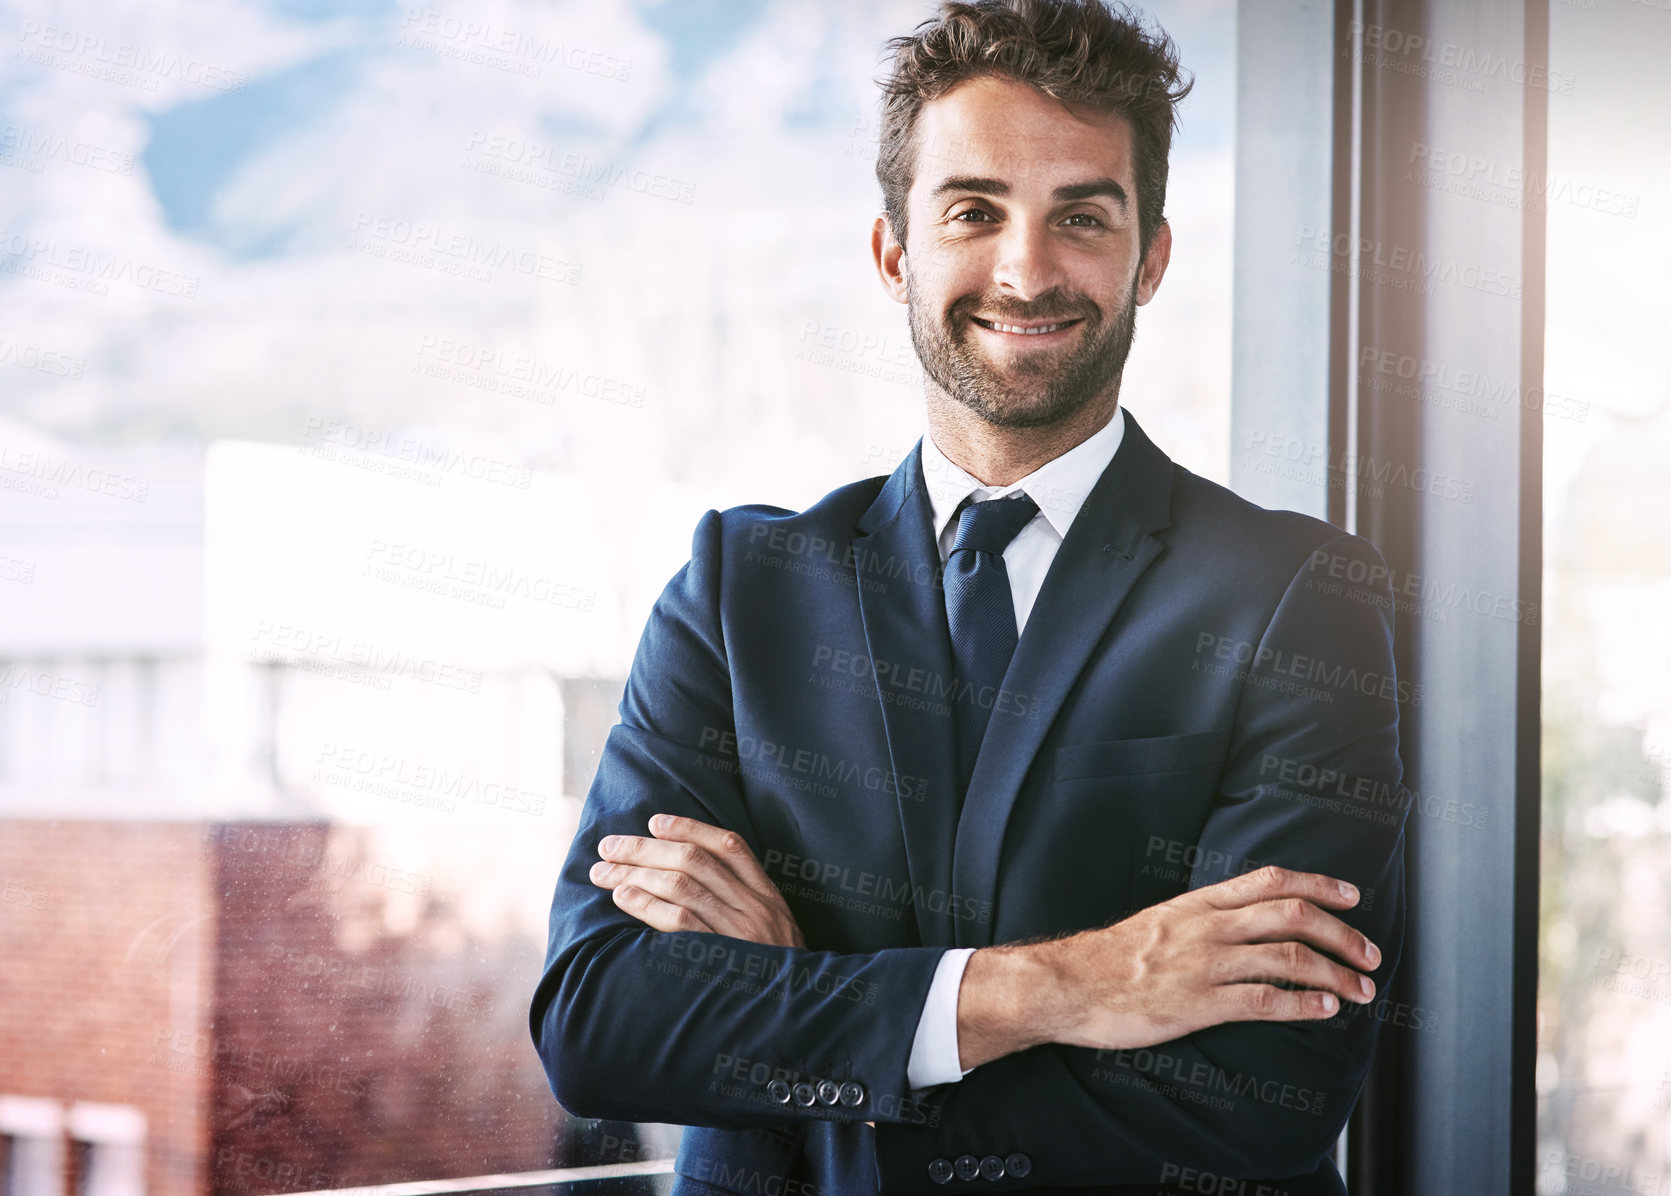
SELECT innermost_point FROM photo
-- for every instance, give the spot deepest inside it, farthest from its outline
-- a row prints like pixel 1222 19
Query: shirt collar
pixel 1059 486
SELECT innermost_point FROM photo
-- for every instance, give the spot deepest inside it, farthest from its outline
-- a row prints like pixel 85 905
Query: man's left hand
pixel 693 876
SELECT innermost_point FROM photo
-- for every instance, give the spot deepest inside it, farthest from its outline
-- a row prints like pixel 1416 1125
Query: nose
pixel 1027 265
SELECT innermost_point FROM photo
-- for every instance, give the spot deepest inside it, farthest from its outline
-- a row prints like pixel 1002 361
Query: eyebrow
pixel 1066 193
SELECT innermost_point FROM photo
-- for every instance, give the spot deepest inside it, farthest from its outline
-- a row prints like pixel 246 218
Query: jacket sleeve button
pixel 778 1090
pixel 940 1171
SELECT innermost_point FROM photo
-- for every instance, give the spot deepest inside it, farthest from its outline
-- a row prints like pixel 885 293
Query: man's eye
pixel 1094 222
pixel 970 212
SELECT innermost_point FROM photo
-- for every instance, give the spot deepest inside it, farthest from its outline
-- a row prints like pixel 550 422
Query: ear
pixel 889 256
pixel 1154 264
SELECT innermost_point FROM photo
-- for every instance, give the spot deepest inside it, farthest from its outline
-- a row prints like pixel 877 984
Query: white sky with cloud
pixel 284 205
pixel 258 194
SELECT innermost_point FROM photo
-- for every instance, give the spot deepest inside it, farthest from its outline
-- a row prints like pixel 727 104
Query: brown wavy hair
pixel 1091 52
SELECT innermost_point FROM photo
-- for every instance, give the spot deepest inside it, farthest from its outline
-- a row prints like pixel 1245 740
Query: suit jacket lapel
pixel 904 614
pixel 1108 547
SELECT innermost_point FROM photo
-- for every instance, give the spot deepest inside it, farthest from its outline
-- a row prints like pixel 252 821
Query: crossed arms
pixel 1230 984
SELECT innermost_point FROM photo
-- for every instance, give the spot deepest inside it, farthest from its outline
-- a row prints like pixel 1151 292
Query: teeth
pixel 1039 330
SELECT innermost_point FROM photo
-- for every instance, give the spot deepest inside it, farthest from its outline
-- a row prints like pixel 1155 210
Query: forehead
pixel 998 128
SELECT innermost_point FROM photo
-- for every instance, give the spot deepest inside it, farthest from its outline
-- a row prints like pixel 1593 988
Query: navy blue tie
pixel 980 611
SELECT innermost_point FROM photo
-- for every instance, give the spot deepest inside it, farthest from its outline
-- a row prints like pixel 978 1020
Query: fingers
pixel 727 847
pixel 656 913
pixel 1267 1003
pixel 668 887
pixel 1271 883
pixel 1293 963
pixel 707 869
pixel 1298 919
pixel 636 859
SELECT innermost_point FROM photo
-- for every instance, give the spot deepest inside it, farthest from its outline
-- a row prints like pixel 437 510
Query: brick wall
pixel 106 936
pixel 350 1053
pixel 246 986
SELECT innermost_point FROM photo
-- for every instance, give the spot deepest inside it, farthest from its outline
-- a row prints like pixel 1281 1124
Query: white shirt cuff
pixel 934 1055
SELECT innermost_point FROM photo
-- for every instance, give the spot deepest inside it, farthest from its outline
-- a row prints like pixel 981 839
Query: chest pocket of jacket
pixel 1131 757
pixel 1122 812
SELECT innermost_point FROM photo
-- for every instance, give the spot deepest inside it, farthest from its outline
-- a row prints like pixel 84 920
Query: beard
pixel 1037 388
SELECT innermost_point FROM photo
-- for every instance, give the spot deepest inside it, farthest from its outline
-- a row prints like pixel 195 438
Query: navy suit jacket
pixel 1203 687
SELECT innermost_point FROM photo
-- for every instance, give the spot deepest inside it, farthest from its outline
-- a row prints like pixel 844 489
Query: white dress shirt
pixel 1059 487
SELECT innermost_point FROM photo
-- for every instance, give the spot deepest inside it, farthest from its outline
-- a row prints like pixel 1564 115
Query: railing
pixel 607 1179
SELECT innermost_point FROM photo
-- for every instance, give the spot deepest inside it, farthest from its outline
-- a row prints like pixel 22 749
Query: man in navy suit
pixel 1029 819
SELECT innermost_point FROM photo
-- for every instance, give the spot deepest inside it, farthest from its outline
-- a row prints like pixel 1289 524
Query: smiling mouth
pixel 1024 329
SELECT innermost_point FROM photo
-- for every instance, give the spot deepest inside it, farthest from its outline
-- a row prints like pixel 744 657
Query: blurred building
pixel 184 1017
pixel 274 883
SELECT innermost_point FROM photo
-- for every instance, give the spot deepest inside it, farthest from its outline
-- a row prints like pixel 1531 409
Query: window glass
pixel 1604 1002
pixel 364 371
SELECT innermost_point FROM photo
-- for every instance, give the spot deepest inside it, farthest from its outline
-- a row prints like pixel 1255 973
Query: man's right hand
pixel 1218 954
